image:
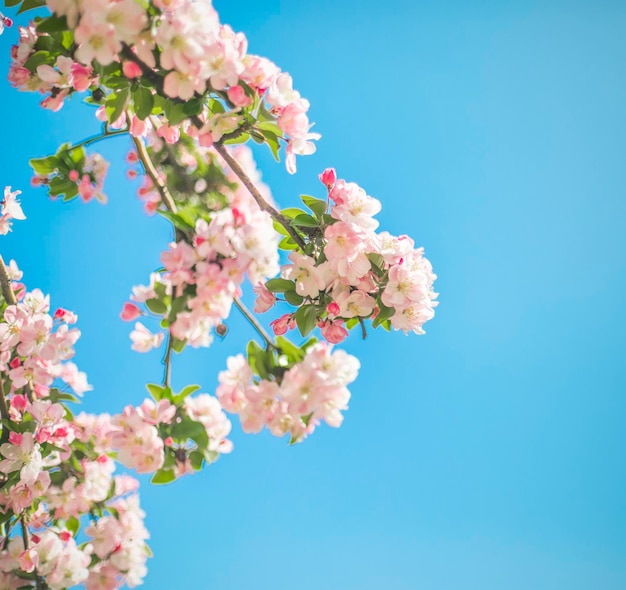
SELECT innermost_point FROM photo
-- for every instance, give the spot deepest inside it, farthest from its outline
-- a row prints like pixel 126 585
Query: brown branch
pixel 5 281
pixel 151 171
pixel 157 80
pixel 256 195
pixel 250 317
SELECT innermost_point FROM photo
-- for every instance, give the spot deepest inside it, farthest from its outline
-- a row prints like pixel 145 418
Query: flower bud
pixel 328 178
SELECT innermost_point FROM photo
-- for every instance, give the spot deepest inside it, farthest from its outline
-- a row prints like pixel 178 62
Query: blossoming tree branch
pixel 189 96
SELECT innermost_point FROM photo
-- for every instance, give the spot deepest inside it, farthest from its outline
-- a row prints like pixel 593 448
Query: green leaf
pixel 294 353
pixel 60 185
pixel 378 262
pixel 280 228
pixel 178 305
pixel 44 166
pixel 384 314
pixel 185 392
pixel 270 126
pixel 271 139
pixel 257 359
pixel 175 113
pixel 178 345
pixel 156 306
pixel 187 428
pixel 52 24
pixel 306 319
pixel 305 220
pixel 177 220
pixel 143 101
pixel 287 244
pixel 30 4
pixel 115 104
pixel 280 285
pixel 39 58
pixel 216 107
pixel 73 525
pixel 159 392
pixel 196 458
pixel 241 138
pixel 316 205
pixel 163 476
pixel 293 298
pixel 292 212
pixel 193 107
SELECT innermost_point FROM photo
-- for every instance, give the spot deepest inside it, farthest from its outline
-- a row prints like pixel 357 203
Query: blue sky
pixel 487 454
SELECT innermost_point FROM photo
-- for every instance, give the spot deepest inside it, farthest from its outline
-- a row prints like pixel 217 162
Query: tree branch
pixel 151 171
pixel 256 195
pixel 250 317
pixel 167 360
pixel 5 282
pixel 157 80
pixel 95 138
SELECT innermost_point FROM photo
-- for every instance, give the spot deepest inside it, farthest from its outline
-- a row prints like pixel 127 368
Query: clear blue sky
pixel 488 454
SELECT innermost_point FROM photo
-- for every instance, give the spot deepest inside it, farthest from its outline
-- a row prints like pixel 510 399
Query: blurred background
pixel 487 454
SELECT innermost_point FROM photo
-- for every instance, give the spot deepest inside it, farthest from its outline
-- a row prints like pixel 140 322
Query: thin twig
pixel 167 360
pixel 363 330
pixel 258 327
pixel 256 195
pixel 151 171
pixel 5 282
pixel 98 137
pixel 157 80
pixel 9 297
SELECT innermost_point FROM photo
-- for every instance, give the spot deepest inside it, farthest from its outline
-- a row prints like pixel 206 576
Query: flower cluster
pixel 11 209
pixel 348 272
pixel 293 400
pixel 203 273
pixel 57 78
pixel 57 469
pixel 72 172
pixel 151 57
pixel 172 436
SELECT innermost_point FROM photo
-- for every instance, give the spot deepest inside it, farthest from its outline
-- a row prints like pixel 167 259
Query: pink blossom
pixel 328 178
pixel 334 332
pixel 265 299
pixel 143 339
pixel 282 324
pixel 237 95
pixel 130 312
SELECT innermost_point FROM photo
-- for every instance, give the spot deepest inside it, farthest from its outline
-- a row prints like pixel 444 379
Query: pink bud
pixel 334 332
pixel 137 127
pixel 15 363
pixel 65 536
pixel 7 22
pixel 130 312
pixel 237 96
pixel 328 178
pixel 73 175
pixel 132 157
pixel 169 441
pixel 281 325
pixel 131 69
pixel 28 560
pixel 15 438
pixel 333 309
pixel 19 402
